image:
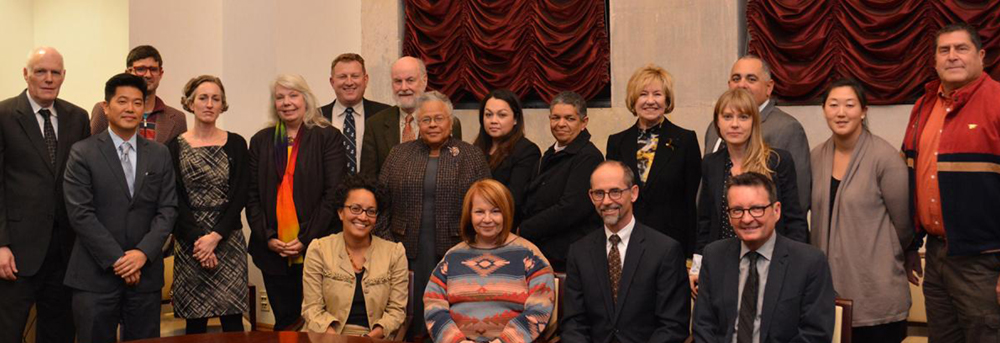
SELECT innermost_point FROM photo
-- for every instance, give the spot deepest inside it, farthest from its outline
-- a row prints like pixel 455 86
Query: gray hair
pixel 573 99
pixel 764 66
pixel 434 96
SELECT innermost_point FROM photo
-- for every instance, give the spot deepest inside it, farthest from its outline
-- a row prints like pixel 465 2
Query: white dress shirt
pixel 625 233
pixel 35 107
pixel 339 113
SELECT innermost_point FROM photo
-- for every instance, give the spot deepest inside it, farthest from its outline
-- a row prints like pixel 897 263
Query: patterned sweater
pixel 504 293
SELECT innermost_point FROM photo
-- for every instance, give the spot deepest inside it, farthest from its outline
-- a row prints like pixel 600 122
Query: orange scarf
pixel 288 219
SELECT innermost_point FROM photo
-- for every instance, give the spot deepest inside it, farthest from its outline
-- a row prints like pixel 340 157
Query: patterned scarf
pixel 286 151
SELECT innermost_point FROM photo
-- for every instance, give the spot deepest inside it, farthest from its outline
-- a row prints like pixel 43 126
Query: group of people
pixel 351 202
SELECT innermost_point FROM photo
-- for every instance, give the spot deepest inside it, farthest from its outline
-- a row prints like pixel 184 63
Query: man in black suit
pixel 397 124
pixel 762 287
pixel 626 283
pixel 348 112
pixel 36 132
pixel 121 202
pixel 556 208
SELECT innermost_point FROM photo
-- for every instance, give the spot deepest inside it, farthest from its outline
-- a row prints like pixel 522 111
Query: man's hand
pixel 693 279
pixel 8 269
pixel 914 271
pixel 293 248
pixel 205 245
pixel 130 263
pixel 132 279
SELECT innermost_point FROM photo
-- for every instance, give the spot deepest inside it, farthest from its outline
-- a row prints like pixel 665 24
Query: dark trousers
pixel 97 315
pixel 230 323
pixel 894 332
pixel 960 295
pixel 52 302
pixel 284 293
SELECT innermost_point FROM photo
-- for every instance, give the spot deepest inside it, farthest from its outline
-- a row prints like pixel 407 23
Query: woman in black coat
pixel 664 157
pixel 512 157
pixel 295 167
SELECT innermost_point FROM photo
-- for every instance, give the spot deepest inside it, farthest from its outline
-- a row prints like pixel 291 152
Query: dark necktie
pixel 748 302
pixel 49 134
pixel 350 144
pixel 614 266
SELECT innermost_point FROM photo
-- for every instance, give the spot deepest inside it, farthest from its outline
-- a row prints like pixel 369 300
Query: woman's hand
pixel 377 332
pixel 210 262
pixel 206 245
pixel 292 249
pixel 276 245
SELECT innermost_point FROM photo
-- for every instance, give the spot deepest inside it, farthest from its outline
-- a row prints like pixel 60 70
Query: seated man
pixel 788 294
pixel 626 283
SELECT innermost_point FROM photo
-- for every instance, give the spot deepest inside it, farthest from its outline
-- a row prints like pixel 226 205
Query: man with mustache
pixel 348 112
pixel 626 283
pixel 557 211
pixel 397 124
pixel 36 131
pixel 952 153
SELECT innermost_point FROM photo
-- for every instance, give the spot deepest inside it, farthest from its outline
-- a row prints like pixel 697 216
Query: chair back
pixel 550 334
pixel 844 318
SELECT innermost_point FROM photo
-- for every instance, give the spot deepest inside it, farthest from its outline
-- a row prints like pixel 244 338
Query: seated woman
pixel 493 286
pixel 353 282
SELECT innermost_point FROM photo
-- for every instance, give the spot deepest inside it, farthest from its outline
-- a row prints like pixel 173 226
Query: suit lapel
pixel 629 146
pixel 633 254
pixel 601 262
pixel 775 279
pixel 392 126
pixel 141 164
pixel 66 129
pixel 107 147
pixel 29 124
pixel 731 286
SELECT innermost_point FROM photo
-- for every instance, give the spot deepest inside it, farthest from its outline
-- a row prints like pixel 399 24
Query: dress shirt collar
pixel 760 108
pixel 624 233
pixel 340 110
pixel 117 140
pixel 35 107
pixel 766 250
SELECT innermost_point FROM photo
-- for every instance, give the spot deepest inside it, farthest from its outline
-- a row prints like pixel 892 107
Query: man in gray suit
pixel 121 202
pixel 781 130
pixel 760 286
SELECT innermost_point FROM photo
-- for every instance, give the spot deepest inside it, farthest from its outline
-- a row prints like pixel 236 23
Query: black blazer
pixel 109 221
pixel 557 210
pixel 371 107
pixel 667 199
pixel 382 133
pixel 793 221
pixel 319 168
pixel 653 295
pixel 516 171
pixel 187 228
pixel 32 207
pixel 798 301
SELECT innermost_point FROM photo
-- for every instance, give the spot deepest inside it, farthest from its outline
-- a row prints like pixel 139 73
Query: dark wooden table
pixel 262 337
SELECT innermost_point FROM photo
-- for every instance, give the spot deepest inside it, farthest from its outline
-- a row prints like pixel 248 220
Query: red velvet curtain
pixel 528 46
pixel 887 45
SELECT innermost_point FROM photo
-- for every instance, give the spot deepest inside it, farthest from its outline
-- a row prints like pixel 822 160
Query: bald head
pixel 409 80
pixel 44 75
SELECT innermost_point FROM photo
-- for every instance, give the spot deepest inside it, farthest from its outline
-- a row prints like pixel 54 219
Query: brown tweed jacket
pixel 460 165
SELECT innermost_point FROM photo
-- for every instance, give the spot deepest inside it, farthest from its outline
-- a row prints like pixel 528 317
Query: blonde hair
pixel 757 151
pixel 312 117
pixel 644 76
pixel 496 194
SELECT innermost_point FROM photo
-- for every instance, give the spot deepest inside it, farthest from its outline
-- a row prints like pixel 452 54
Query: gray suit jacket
pixel 798 301
pixel 381 134
pixel 108 221
pixel 784 132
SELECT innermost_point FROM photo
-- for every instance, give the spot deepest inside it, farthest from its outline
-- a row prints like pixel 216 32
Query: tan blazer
pixel 328 284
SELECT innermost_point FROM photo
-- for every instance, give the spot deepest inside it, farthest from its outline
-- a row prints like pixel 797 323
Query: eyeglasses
pixel 755 211
pixel 144 70
pixel 428 120
pixel 614 193
pixel 357 210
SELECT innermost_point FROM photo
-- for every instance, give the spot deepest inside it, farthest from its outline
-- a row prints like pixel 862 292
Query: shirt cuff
pixel 695 265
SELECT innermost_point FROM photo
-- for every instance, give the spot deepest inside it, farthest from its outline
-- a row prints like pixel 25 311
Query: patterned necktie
pixel 350 144
pixel 748 302
pixel 408 130
pixel 614 266
pixel 49 134
pixel 125 149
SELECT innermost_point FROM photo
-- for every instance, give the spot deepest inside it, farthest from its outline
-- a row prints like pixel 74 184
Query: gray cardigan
pixel 870 226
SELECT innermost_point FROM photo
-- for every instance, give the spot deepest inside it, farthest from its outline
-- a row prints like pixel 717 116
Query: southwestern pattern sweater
pixel 505 293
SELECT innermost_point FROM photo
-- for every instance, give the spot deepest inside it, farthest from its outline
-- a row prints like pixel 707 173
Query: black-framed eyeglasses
pixel 357 210
pixel 614 193
pixel 755 211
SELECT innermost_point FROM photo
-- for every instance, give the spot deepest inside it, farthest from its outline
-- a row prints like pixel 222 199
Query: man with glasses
pixel 759 286
pixel 159 122
pixel 627 282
